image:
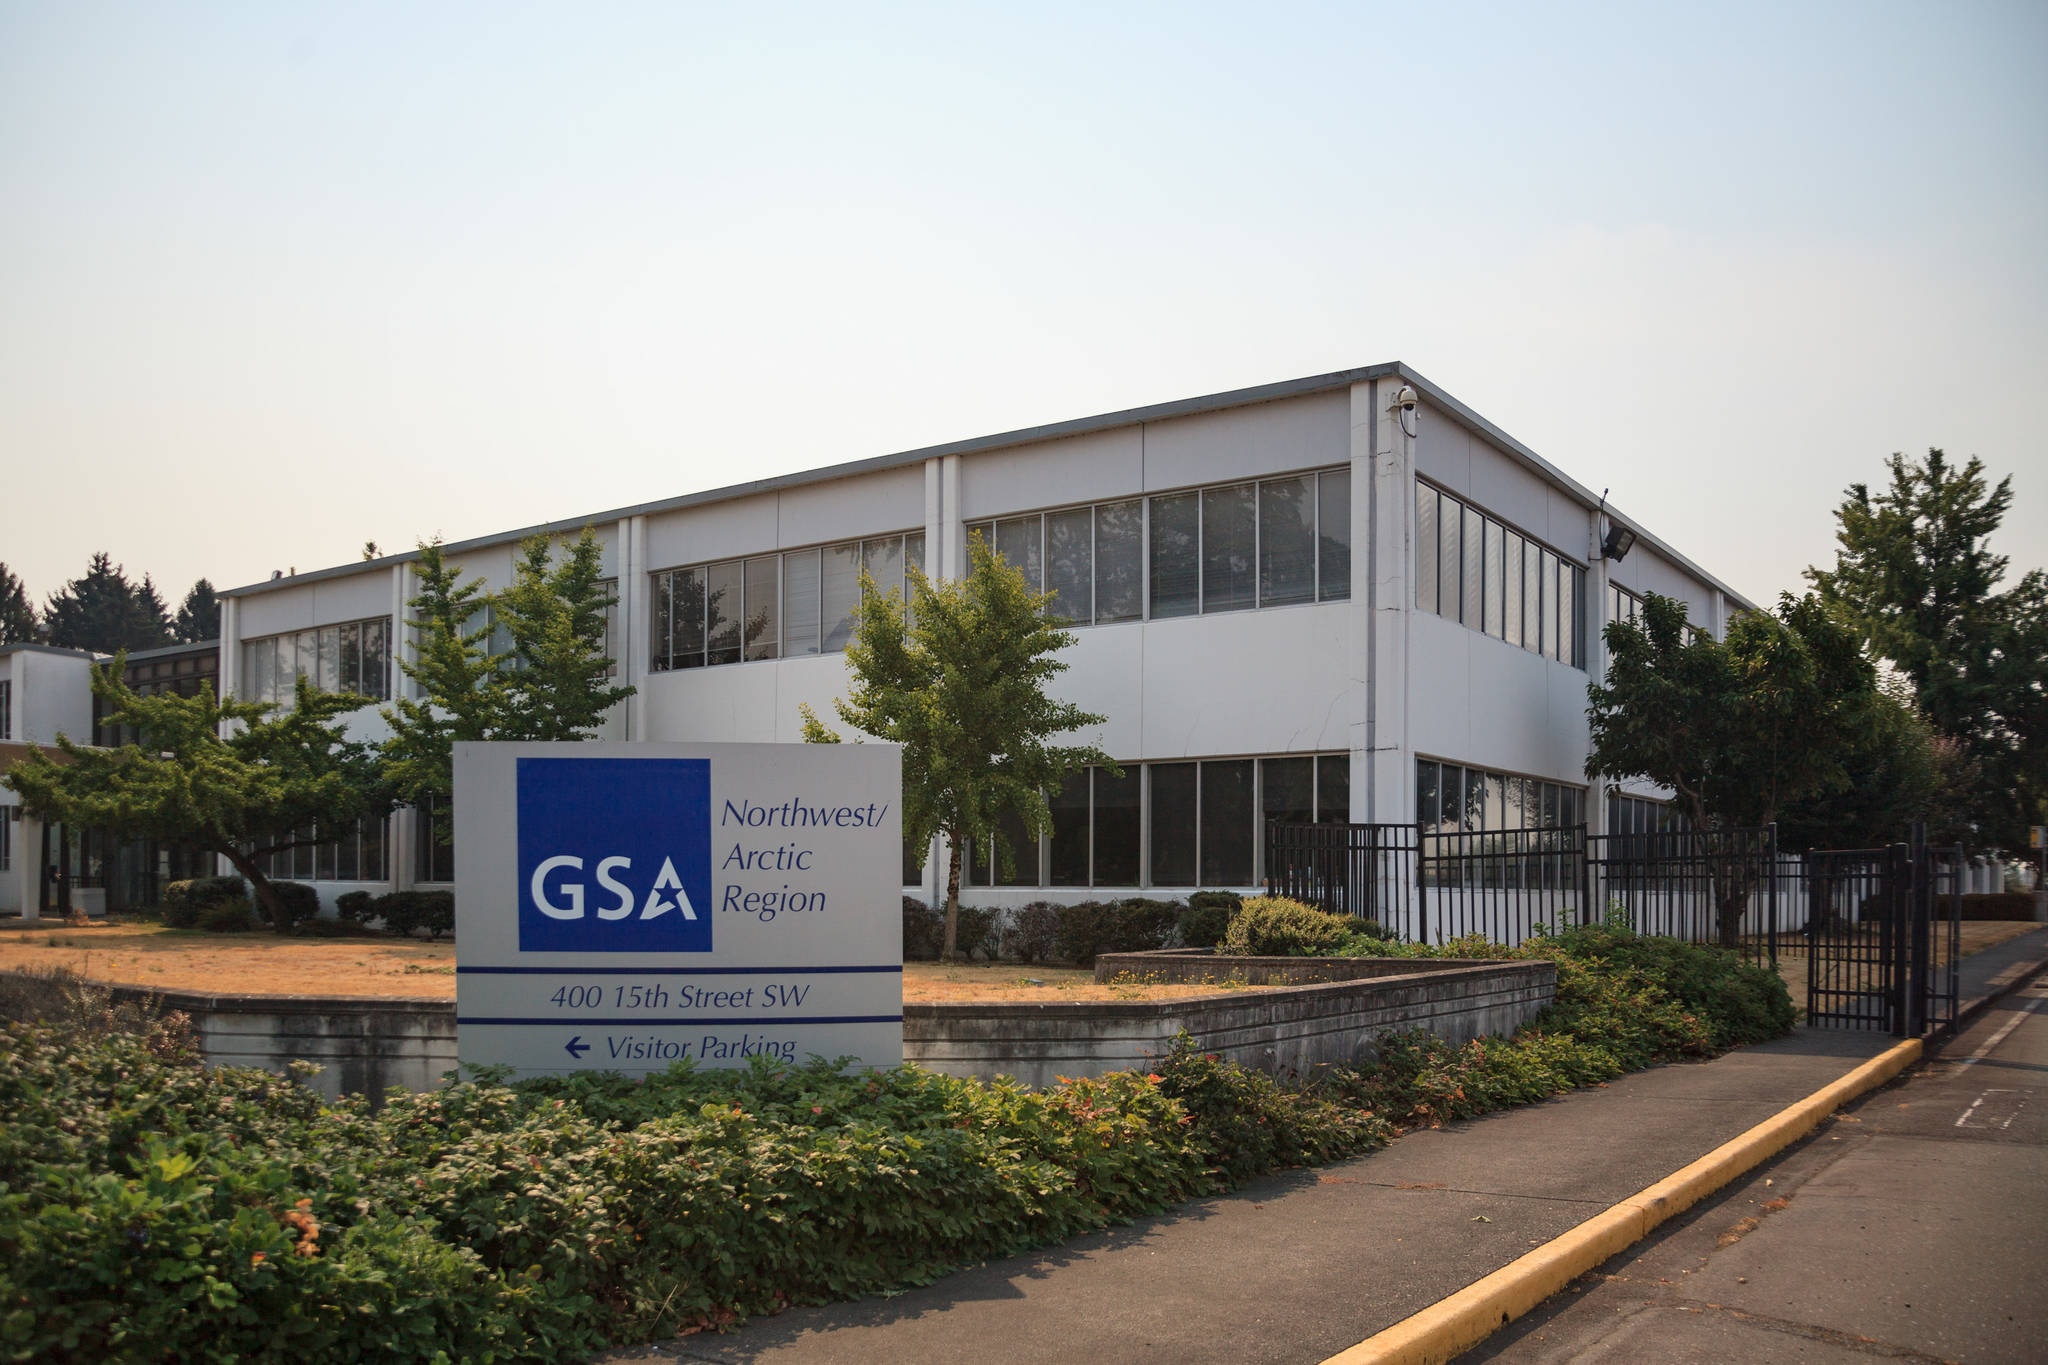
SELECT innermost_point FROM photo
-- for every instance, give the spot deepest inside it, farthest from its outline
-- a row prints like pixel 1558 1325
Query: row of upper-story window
pixel 1180 824
pixel 1473 569
pixel 1260 543
pixel 775 606
pixel 179 677
pixel 1623 605
pixel 1232 547
pixel 1451 798
pixel 354 657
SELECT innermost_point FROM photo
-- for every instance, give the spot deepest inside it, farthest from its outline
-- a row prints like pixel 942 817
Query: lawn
pixel 143 953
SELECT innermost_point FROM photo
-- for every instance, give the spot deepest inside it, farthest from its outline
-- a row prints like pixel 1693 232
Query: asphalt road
pixel 1913 1227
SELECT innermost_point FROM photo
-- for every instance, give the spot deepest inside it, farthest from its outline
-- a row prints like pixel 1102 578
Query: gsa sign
pixel 614 857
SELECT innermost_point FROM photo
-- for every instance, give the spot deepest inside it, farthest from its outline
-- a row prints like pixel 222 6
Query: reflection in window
pixel 1472 569
pixel 771 606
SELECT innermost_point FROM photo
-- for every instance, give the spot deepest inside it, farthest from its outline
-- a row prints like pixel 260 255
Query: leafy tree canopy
pixel 1915 575
pixel 277 773
pixel 104 612
pixel 199 616
pixel 1900 769
pixel 17 614
pixel 958 677
pixel 559 687
pixel 1738 727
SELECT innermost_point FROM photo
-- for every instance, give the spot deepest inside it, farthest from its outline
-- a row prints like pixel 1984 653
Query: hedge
pixel 2001 905
pixel 152 1209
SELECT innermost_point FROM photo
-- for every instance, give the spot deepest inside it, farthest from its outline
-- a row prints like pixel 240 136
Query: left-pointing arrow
pixel 576 1047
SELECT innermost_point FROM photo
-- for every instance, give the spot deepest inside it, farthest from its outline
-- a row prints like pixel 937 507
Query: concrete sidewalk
pixel 1298 1267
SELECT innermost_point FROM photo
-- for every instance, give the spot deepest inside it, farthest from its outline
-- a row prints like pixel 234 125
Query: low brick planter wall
pixel 1293 1027
pixel 1193 966
pixel 362 1044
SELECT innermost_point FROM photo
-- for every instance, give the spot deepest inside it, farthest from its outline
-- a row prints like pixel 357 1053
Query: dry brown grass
pixel 261 963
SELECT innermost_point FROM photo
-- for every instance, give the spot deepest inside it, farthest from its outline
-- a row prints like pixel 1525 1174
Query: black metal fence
pixel 1879 928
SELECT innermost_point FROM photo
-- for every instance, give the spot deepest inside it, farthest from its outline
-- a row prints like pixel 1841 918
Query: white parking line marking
pixel 1963 1119
pixel 1999 1036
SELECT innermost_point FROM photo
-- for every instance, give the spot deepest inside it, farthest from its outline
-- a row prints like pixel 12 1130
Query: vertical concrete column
pixel 1596 654
pixel 951 553
pixel 230 669
pixel 1382 522
pixel 941 476
pixel 402 829
pixel 634 620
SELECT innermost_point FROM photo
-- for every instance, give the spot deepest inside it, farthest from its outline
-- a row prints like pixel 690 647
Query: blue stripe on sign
pixel 667 971
pixel 564 1020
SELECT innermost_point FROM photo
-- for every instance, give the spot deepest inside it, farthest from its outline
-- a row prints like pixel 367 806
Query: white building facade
pixel 1334 598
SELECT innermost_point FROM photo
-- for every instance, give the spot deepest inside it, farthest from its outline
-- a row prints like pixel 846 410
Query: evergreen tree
pixel 17 614
pixel 459 677
pixel 199 617
pixel 102 611
pixel 240 779
pixel 559 686
pixel 1915 573
pixel 957 677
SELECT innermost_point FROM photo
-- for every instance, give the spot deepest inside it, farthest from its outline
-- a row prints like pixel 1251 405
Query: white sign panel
pixel 622 907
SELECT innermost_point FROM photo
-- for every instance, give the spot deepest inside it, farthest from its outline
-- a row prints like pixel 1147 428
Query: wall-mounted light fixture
pixel 1616 540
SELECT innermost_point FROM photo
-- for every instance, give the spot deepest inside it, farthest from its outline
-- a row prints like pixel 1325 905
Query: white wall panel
pixel 1443 452
pixel 1094 468
pixel 1480 701
pixel 277 610
pixel 1238 443
pixel 1253 682
pixel 845 509
pixel 725 530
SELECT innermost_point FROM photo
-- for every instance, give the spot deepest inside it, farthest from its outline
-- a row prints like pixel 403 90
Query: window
pixel 1638 815
pixel 1263 543
pixel 433 858
pixel 355 657
pixel 1623 605
pixel 8 815
pixel 6 708
pixel 1451 799
pixel 1475 570
pixel 1191 823
pixel 357 855
pixel 771 606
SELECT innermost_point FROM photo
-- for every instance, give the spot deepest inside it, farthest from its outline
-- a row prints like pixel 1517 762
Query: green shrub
pixel 924 931
pixel 300 901
pixel 228 917
pixel 184 901
pixel 1273 926
pixel 1207 918
pixel 2000 905
pixel 1032 935
pixel 1134 925
pixel 977 930
pixel 154 1209
pixel 405 913
pixel 355 907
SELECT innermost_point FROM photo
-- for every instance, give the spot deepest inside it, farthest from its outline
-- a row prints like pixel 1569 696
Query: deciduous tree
pixel 957 677
pixel 1737 728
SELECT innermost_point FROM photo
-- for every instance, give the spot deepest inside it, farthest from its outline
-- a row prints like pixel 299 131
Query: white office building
pixel 1341 598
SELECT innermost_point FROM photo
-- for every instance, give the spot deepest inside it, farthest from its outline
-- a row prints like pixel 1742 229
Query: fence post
pixel 1919 977
pixel 1421 891
pixel 1771 901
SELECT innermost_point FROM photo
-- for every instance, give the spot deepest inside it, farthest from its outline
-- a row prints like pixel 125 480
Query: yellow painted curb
pixel 1460 1322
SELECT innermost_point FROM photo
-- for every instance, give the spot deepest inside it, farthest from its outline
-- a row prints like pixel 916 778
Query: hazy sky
pixel 279 278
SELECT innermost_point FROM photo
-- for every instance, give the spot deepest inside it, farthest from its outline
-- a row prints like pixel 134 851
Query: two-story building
pixel 1346 597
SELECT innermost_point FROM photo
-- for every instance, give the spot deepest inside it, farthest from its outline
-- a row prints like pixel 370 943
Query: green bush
pixel 1032 935
pixel 924 931
pixel 1134 925
pixel 154 1209
pixel 355 907
pixel 2002 905
pixel 405 913
pixel 1207 918
pixel 1273 926
pixel 184 901
pixel 300 901
pixel 227 917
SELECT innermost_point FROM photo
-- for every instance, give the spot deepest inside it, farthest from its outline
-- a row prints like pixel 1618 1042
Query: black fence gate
pixel 1879 927
pixel 1883 936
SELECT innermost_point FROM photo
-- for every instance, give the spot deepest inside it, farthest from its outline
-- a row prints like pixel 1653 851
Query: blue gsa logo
pixel 615 855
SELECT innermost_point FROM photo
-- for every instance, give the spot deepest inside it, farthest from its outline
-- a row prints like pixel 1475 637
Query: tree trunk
pixel 1730 903
pixel 259 887
pixel 951 951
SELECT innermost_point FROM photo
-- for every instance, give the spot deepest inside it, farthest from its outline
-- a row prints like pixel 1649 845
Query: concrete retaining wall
pixel 1282 1027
